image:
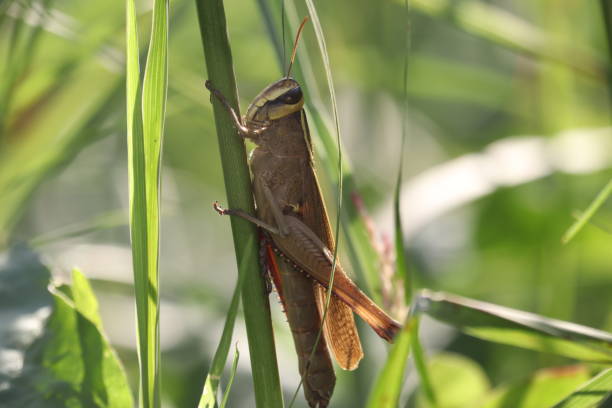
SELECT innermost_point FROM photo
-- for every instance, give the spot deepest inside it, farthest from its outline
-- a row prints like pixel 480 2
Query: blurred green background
pixel 508 136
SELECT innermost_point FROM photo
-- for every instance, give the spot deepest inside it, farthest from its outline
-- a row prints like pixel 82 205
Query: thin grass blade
pixel 312 11
pixel 518 328
pixel 231 379
pixel 211 383
pixel 599 200
pixel 402 271
pixel 388 385
pixel 364 257
pixel 591 394
pixel 421 365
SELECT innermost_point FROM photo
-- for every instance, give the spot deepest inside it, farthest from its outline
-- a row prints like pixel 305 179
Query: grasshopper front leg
pixel 246 216
pixel 242 128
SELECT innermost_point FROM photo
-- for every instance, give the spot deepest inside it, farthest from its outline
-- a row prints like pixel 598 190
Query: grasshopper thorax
pixel 276 101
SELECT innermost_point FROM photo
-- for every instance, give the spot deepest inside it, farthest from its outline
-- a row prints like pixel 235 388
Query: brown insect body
pixel 288 196
pixel 282 168
pixel 290 208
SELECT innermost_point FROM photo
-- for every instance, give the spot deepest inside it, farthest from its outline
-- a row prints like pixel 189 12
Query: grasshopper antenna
pixel 295 43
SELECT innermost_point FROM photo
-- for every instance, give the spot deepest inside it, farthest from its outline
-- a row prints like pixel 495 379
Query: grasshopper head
pixel 276 101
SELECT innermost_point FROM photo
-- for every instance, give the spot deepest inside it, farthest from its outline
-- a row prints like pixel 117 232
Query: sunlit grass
pixel 146 101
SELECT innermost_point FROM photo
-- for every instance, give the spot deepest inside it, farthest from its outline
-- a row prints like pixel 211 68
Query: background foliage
pixel 508 138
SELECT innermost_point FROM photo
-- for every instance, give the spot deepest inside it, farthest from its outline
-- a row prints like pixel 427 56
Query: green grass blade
pixel 601 198
pixel 590 394
pixel 401 264
pixel 138 199
pixel 421 364
pixel 138 216
pixel 388 385
pixel 518 328
pixel 237 179
pixel 364 257
pixel 132 69
pixel 145 134
pixel 312 11
pixel 231 380
pixel 211 383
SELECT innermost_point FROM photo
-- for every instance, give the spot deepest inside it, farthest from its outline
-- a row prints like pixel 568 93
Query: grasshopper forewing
pixel 291 209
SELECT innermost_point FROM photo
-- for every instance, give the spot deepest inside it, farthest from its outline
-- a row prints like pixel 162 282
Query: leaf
pixel 68 362
pixel 593 392
pixel 542 389
pixel 457 381
pixel 518 328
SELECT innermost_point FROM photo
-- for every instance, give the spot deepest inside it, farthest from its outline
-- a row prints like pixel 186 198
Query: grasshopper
pixel 291 210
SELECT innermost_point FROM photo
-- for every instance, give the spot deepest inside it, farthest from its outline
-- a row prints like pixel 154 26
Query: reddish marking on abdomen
pixel 274 272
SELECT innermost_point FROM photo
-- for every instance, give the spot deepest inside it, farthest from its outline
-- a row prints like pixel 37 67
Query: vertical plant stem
pixel 239 195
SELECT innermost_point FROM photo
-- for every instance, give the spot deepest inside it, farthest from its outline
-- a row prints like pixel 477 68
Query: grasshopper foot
pixel 219 209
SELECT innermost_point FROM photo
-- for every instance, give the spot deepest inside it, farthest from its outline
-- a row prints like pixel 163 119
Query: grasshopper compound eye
pixel 292 96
